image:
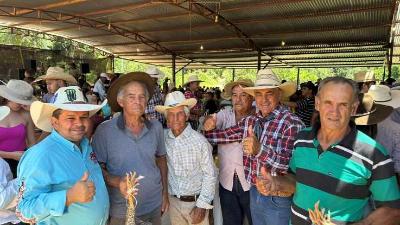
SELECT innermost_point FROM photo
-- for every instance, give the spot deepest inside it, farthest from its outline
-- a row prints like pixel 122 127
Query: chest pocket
pixel 187 161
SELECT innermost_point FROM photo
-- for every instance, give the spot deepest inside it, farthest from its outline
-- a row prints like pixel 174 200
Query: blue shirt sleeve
pixel 99 144
pixel 161 150
pixel 36 198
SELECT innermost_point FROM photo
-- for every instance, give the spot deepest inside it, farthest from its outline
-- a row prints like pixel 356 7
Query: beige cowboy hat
pixel 364 76
pixel 17 91
pixel 175 99
pixel 66 98
pixel 267 79
pixel 125 79
pixel 154 72
pixel 192 78
pixel 383 95
pixel 57 73
pixel 368 112
pixel 4 111
pixel 227 94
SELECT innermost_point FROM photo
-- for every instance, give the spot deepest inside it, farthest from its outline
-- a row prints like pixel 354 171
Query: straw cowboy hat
pixel 4 111
pixel 154 72
pixel 267 79
pixel 66 98
pixel 229 86
pixel 192 78
pixel 57 73
pixel 369 113
pixel 17 91
pixel 175 99
pixel 382 94
pixel 364 76
pixel 122 81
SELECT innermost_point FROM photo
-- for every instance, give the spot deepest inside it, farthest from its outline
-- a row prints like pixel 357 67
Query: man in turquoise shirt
pixel 60 179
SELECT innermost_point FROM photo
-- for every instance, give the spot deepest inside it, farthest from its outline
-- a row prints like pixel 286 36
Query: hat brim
pixel 4 111
pixel 381 112
pixel 42 112
pixel 394 102
pixel 122 81
pixel 67 78
pixel 190 103
pixel 187 83
pixel 229 86
pixel 4 92
pixel 287 88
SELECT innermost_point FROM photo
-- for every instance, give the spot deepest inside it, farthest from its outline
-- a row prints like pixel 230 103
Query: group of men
pixel 272 168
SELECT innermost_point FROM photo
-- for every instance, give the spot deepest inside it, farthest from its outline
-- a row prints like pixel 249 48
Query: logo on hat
pixel 71 94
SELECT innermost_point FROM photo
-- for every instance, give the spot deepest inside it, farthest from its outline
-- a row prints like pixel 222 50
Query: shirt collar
pixel 186 132
pixel 121 122
pixel 347 141
pixel 68 144
pixel 274 114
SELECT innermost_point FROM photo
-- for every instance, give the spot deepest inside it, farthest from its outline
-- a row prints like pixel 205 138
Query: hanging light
pixel 283 43
pixel 201 47
pixel 216 18
pixel 109 26
pixel 137 50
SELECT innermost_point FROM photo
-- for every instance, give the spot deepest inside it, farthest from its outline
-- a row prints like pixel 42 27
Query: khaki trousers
pixel 179 212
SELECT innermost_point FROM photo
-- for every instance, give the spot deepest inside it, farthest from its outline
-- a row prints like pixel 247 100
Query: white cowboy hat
pixel 66 98
pixel 57 73
pixel 4 111
pixel 267 79
pixel 175 99
pixel 192 78
pixel 154 72
pixel 364 76
pixel 369 112
pixel 105 75
pixel 17 91
pixel 384 96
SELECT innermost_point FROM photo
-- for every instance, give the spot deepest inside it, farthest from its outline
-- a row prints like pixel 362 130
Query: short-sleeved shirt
pixel 305 109
pixel 122 152
pixel 343 177
pixel 46 172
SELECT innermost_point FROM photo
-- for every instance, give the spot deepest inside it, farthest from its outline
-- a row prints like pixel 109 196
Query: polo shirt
pixel 122 152
pixel 342 178
pixel 46 172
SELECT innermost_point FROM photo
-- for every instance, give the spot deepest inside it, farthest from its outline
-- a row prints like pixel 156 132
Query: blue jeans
pixel 269 210
pixel 235 204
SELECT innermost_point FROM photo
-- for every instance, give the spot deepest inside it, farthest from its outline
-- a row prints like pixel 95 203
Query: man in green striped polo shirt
pixel 337 165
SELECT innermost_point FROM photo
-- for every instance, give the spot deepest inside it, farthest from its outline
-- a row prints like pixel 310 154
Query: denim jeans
pixel 235 204
pixel 269 210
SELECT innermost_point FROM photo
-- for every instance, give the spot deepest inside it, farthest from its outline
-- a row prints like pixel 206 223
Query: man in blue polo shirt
pixel 60 180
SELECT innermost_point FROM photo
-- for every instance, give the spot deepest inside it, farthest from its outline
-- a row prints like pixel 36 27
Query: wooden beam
pixel 125 7
pixel 48 6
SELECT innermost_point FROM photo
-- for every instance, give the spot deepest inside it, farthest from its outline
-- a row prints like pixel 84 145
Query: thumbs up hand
pixel 82 191
pixel 265 183
pixel 210 122
pixel 251 146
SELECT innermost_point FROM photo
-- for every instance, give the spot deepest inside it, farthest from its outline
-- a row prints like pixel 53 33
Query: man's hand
pixel 123 186
pixel 82 191
pixel 165 203
pixel 210 122
pixel 198 215
pixel 251 146
pixel 266 184
pixel 382 216
pixel 16 155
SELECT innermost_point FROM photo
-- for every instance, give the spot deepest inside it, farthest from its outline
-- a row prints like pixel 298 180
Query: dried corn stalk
pixel 318 217
pixel 132 184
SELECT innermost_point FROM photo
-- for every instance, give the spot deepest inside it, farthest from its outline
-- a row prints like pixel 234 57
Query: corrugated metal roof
pixel 316 33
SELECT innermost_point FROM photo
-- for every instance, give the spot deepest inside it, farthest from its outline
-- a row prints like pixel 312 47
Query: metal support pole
pixel 384 72
pixel 113 63
pixel 390 61
pixel 173 70
pixel 233 74
pixel 183 77
pixel 259 60
pixel 298 78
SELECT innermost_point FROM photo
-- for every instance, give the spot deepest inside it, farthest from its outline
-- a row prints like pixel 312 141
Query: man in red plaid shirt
pixel 268 138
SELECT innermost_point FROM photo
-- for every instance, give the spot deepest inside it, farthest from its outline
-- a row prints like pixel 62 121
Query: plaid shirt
pixel 195 112
pixel 276 133
pixel 156 99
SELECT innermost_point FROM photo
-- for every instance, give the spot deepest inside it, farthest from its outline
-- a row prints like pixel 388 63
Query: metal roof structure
pixel 220 34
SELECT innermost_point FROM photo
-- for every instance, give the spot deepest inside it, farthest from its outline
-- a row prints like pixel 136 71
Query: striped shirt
pixel 276 132
pixel 305 109
pixel 342 178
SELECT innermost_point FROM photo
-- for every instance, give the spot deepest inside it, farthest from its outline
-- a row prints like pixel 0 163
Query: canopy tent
pixel 221 34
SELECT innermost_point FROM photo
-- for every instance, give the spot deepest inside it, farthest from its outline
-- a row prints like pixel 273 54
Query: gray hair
pixel 340 80
pixel 121 91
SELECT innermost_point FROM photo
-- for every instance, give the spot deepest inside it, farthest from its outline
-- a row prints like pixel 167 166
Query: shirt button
pixel 330 173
